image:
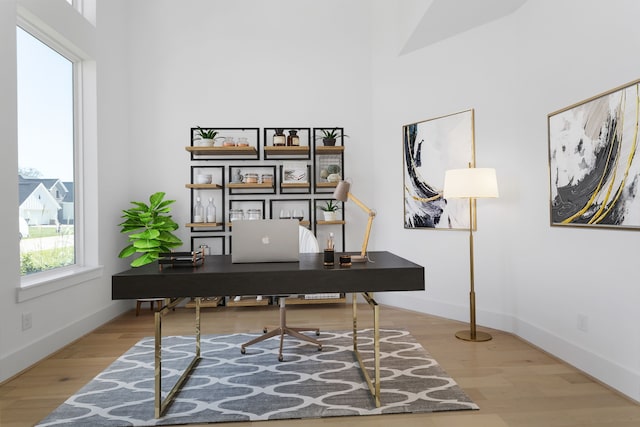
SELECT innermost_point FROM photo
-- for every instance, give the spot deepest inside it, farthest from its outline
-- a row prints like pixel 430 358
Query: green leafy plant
pixel 150 230
pixel 330 134
pixel 207 134
pixel 329 206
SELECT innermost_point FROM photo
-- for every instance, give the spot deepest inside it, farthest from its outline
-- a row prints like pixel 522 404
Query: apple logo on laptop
pixel 265 240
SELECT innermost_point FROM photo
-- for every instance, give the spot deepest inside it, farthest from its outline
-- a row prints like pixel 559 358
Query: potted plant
pixel 207 137
pixel 330 210
pixel 150 230
pixel 329 136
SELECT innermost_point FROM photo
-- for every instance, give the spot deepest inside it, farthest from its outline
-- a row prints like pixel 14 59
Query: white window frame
pixel 86 266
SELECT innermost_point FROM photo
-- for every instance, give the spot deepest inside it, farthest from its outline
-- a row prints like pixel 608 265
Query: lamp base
pixel 466 336
pixel 358 258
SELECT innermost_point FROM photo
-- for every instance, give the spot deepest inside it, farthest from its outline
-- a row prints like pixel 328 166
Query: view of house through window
pixel 45 156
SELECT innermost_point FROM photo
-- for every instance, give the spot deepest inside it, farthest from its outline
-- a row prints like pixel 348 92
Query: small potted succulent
pixel 330 210
pixel 207 137
pixel 329 136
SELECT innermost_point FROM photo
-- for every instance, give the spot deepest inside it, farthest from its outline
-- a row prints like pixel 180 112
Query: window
pixel 46 153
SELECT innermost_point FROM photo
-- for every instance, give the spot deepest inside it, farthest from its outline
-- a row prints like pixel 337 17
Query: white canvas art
pixel 431 148
pixel 594 170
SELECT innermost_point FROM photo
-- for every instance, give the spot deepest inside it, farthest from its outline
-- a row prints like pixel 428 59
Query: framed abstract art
pixel 594 162
pixel 430 148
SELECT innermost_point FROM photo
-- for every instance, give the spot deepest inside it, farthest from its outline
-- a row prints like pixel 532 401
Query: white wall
pixel 247 63
pixel 531 279
pixel 61 317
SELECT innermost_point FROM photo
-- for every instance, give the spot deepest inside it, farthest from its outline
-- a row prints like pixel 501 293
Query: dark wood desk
pixel 218 276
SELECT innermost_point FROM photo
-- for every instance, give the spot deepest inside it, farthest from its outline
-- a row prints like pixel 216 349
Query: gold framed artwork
pixel 430 148
pixel 594 167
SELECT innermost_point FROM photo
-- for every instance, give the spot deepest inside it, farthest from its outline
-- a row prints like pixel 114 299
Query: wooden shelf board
pixel 329 149
pixel 243 185
pixel 322 222
pixel 295 185
pixel 203 224
pixel 301 300
pixel 204 186
pixel 302 149
pixel 222 151
pixel 326 184
pixel 248 302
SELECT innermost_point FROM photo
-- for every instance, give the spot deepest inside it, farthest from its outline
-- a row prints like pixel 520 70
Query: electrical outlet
pixel 583 323
pixel 26 321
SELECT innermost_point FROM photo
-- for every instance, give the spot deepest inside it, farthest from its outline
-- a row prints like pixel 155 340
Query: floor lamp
pixel 342 193
pixel 471 184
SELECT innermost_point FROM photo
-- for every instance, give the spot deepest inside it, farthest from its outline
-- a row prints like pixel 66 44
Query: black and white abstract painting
pixel 594 171
pixel 431 147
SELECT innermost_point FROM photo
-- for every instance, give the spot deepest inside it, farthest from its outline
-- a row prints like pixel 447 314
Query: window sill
pixel 35 287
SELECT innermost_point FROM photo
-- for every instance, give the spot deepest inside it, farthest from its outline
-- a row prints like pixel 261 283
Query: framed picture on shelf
pixel 593 162
pixel 430 148
pixel 294 172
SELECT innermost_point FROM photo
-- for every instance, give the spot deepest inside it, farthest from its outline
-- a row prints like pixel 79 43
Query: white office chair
pixel 307 243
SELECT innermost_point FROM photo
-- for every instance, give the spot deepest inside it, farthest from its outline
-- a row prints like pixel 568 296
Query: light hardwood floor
pixel 514 383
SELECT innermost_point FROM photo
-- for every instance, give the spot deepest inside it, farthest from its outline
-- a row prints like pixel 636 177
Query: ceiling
pixel 447 18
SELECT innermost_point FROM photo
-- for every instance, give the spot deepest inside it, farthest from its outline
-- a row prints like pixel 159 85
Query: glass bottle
pixel 198 211
pixel 211 211
pixel 293 139
pixel 279 139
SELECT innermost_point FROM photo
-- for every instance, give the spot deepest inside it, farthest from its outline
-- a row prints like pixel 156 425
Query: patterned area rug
pixel 228 386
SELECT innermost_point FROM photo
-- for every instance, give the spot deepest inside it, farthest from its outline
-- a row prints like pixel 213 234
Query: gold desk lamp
pixel 471 183
pixel 342 193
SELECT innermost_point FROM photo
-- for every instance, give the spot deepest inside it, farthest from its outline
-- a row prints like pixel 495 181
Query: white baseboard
pixel 611 374
pixel 25 357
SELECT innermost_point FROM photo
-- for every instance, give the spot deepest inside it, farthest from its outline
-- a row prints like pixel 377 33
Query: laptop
pixel 265 240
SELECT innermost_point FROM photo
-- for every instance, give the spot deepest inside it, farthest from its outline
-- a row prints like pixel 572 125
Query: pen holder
pixel 329 257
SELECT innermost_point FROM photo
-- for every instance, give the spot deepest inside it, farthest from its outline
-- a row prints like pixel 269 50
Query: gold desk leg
pixel 374 385
pixel 161 405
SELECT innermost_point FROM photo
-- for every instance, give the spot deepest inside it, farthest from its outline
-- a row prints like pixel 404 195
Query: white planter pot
pixel 206 142
pixel 329 215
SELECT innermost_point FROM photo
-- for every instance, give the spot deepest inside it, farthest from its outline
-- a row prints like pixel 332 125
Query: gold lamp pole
pixel 342 193
pixel 471 183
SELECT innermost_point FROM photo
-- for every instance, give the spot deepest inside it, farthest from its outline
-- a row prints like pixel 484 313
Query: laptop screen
pixel 265 240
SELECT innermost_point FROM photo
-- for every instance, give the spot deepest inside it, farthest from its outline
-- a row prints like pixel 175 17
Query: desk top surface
pixel 218 276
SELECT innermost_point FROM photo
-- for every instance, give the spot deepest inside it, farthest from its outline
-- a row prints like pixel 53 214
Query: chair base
pixel 282 331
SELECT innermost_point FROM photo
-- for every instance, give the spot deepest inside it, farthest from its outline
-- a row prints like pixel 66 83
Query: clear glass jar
pixel 254 214
pixel 228 142
pixel 267 178
pixel 243 142
pixel 251 178
pixel 236 214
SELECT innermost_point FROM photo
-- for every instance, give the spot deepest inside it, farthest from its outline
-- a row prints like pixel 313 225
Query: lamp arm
pixel 362 205
pixel 367 233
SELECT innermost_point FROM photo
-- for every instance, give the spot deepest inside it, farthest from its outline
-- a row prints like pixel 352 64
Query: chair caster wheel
pixel 243 350
pixel 264 331
pixel 317 333
pixel 280 359
pixel 319 348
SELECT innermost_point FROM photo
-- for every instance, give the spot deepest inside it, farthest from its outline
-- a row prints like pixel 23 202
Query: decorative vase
pixel 329 141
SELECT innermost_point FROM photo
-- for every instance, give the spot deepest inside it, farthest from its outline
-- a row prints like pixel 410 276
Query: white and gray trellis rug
pixel 228 386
